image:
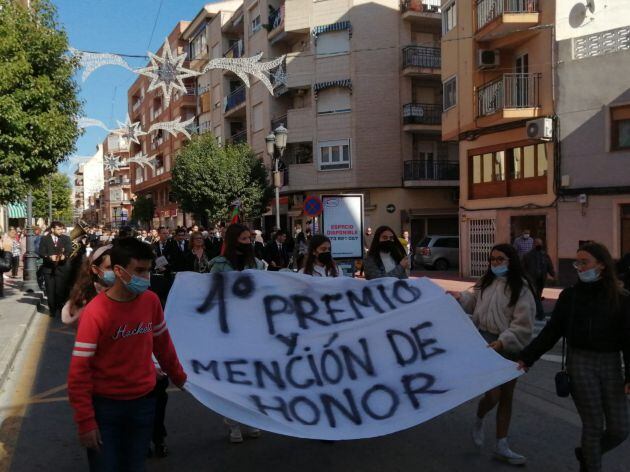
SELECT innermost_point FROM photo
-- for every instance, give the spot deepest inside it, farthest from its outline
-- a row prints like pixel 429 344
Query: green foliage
pixel 208 177
pixel 38 102
pixel 61 203
pixel 143 208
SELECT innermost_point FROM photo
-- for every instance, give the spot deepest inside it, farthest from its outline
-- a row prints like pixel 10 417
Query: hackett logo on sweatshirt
pixel 123 332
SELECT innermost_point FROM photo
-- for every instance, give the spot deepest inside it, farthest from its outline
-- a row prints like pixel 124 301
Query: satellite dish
pixel 590 4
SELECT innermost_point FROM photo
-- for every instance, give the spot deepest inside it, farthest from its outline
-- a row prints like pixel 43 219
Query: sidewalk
pixel 17 311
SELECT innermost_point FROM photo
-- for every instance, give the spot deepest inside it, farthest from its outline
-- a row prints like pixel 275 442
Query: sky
pixel 115 26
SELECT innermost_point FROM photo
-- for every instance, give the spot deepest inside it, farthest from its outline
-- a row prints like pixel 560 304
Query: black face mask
pixel 243 249
pixel 324 257
pixel 387 246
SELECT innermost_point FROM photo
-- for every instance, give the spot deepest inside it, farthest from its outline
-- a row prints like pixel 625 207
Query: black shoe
pixel 580 457
pixel 160 450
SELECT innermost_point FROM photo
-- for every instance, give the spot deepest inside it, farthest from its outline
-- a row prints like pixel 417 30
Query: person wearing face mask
pixel 319 261
pixel 502 307
pixel 387 256
pixel 95 276
pixel 238 254
pixel 112 376
pixel 594 318
pixel 524 243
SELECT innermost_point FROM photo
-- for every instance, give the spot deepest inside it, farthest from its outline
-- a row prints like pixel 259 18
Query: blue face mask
pixel 590 275
pixel 137 284
pixel 107 277
pixel 499 271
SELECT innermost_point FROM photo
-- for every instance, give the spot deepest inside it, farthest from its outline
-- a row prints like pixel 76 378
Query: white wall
pixel 573 19
pixel 93 178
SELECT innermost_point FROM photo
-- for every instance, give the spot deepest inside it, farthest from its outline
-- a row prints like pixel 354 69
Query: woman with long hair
pixel 594 317
pixel 95 275
pixel 502 307
pixel 199 255
pixel 319 261
pixel 238 254
pixel 387 256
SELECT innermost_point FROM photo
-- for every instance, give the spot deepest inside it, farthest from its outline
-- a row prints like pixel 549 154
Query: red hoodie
pixel 112 353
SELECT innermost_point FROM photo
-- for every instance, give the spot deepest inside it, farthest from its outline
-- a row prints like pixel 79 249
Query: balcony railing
pixel 424 169
pixel 488 10
pixel 237 138
pixel 235 98
pixel 422 114
pixel 431 6
pixel 276 18
pixel 509 91
pixel 281 120
pixel 235 51
pixel 422 56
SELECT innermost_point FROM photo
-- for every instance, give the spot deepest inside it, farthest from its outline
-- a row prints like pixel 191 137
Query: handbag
pixel 5 261
pixel 563 379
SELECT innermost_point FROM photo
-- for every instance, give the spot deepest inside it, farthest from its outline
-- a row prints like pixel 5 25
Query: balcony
pixel 235 51
pixel 136 103
pixel 276 25
pixel 422 117
pixel 497 18
pixel 300 70
pixel 421 60
pixel 237 138
pixel 430 173
pixel 235 100
pixel 300 123
pixel 510 97
pixel 421 12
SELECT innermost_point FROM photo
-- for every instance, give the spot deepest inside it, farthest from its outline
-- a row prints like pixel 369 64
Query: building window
pixel 256 24
pixel 449 17
pixel 450 93
pixel 333 100
pixel 334 42
pixel 620 127
pixel 334 155
pixel 198 45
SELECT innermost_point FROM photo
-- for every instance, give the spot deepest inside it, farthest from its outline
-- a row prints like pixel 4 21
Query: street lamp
pixel 277 140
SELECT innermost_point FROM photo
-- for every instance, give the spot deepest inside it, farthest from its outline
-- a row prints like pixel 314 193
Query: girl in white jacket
pixel 502 307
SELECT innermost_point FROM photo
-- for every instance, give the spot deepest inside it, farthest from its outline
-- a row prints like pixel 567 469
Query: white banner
pixel 327 358
pixel 342 222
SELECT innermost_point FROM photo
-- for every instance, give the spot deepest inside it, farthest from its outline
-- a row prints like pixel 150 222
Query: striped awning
pixel 346 83
pixel 339 26
pixel 16 210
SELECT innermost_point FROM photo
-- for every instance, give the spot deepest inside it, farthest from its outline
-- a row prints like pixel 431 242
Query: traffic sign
pixel 313 206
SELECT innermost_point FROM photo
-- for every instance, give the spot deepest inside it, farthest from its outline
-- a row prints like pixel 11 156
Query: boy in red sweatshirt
pixel 112 373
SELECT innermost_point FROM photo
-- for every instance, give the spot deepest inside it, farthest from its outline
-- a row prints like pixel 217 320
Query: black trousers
pixel 56 290
pixel 15 264
pixel 161 398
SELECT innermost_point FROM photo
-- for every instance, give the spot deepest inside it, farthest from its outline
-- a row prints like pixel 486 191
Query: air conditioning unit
pixel 488 58
pixel 542 129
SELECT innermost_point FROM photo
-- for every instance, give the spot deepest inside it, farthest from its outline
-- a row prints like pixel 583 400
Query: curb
pixel 21 315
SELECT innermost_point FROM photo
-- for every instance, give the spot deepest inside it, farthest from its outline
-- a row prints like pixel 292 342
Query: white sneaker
pixel 478 435
pixel 236 436
pixel 502 452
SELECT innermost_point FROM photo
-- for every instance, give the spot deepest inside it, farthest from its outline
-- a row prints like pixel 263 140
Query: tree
pixel 61 203
pixel 38 96
pixel 143 208
pixel 208 177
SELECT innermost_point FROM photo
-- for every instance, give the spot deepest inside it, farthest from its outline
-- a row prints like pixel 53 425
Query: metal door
pixel 481 235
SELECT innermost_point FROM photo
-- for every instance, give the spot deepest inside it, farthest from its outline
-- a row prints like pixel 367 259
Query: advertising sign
pixel 342 222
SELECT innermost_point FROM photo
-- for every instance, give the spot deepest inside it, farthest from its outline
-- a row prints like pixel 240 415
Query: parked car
pixel 438 252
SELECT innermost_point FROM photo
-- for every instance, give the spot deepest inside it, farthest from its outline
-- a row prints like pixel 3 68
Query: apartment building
pixel 149 108
pixel 497 76
pixel 593 44
pixel 360 95
pixel 115 202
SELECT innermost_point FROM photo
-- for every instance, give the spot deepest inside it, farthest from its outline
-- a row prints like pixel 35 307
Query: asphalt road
pixel 38 434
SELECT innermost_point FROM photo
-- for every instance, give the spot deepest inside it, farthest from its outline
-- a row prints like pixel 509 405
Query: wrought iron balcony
pixel 235 98
pixel 422 56
pixel 432 6
pixel 488 10
pixel 422 114
pixel 424 169
pixel 509 91
pixel 237 138
pixel 276 18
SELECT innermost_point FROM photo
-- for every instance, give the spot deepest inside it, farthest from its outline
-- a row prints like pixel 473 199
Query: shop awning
pixel 318 87
pixel 16 210
pixel 339 26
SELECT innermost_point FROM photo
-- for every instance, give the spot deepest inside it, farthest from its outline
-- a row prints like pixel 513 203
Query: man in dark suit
pixel 55 249
pixel 161 278
pixel 276 253
pixel 177 251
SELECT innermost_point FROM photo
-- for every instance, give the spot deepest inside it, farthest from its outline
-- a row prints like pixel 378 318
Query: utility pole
pixel 30 269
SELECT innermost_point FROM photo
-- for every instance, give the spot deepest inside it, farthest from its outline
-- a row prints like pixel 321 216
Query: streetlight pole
pixel 30 269
pixel 277 140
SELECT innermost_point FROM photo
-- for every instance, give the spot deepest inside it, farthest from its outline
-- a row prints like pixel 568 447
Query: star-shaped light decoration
pixel 143 160
pixel 279 77
pixel 129 131
pixel 88 122
pixel 247 65
pixel 173 127
pixel 90 61
pixel 167 72
pixel 111 163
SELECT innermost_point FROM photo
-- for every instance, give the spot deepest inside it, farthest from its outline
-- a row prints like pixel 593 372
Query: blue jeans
pixel 125 427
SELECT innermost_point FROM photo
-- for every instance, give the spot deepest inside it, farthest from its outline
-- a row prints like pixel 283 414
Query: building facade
pixel 497 76
pixel 594 114
pixel 359 93
pixel 116 199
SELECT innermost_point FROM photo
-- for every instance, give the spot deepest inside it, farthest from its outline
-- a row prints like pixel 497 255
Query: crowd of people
pixel 123 279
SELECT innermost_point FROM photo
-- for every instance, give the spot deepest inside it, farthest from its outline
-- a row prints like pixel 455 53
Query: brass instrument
pixel 76 235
